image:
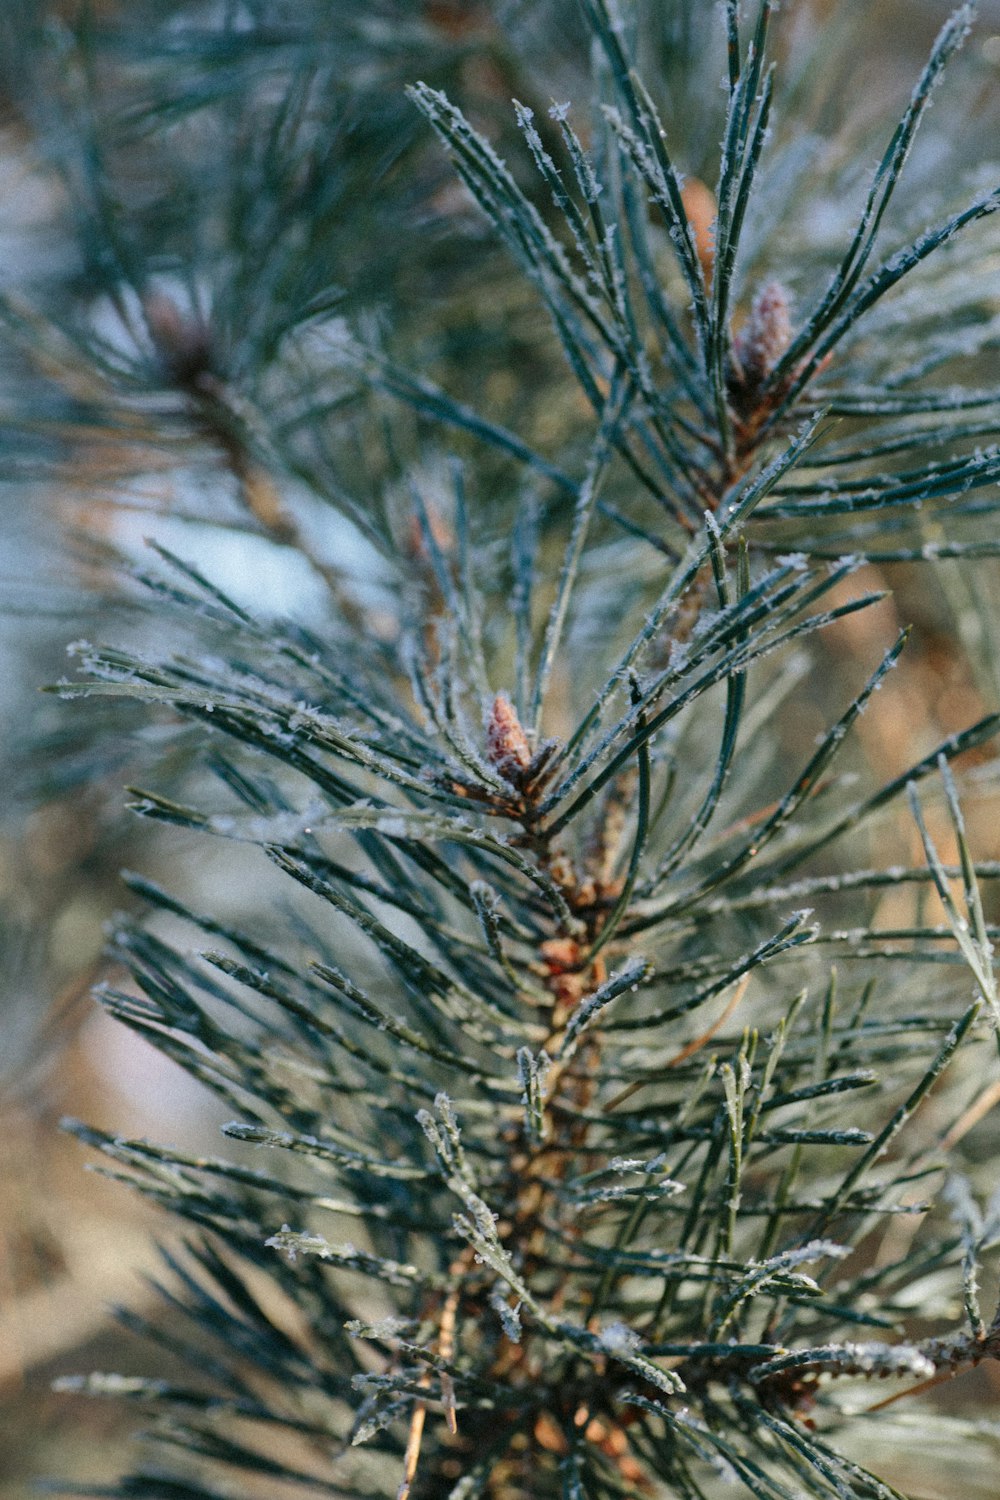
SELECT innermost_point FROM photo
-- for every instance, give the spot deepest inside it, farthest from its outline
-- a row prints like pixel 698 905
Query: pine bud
pixel 182 341
pixel 765 336
pixel 507 745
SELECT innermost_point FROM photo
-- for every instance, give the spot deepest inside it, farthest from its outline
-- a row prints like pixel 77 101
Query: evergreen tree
pixel 562 1162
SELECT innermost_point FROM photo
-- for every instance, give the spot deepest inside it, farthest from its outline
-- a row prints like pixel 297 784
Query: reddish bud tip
pixel 507 745
pixel 766 334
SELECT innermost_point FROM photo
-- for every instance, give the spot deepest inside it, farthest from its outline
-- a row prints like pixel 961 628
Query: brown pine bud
pixel 182 341
pixel 702 212
pixel 765 335
pixel 507 745
pixel 441 534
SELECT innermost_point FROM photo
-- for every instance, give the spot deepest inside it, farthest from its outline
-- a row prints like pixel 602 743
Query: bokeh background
pixel 158 105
